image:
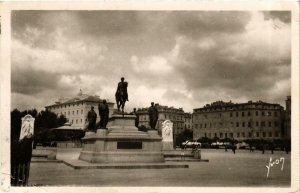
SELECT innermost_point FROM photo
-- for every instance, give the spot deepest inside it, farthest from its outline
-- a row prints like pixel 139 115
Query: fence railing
pixel 21 153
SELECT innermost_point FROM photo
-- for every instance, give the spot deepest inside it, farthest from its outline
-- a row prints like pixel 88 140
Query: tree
pixel 15 124
pixel 205 140
pixel 215 139
pixel 183 136
pixel 61 120
pixel 46 119
pixel 45 122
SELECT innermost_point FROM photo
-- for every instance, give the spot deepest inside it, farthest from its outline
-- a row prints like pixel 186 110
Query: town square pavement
pixel 223 169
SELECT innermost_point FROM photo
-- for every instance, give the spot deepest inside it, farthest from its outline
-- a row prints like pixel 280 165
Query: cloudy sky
pixel 176 58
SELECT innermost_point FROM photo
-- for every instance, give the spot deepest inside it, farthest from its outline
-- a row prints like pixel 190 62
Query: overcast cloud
pixel 180 58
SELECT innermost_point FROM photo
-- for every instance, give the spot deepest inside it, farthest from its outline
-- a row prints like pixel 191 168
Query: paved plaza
pixel 223 169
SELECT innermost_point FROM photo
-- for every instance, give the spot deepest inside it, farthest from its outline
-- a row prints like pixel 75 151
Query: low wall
pixel 50 153
pixel 69 144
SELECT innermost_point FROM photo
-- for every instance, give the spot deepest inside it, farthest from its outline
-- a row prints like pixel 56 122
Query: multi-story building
pixel 287 118
pixel 75 109
pixel 164 112
pixel 252 120
pixel 188 124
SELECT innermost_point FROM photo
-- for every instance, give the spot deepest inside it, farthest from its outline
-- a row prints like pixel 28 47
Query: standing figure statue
pixel 153 115
pixel 136 118
pixel 121 94
pixel 92 117
pixel 104 113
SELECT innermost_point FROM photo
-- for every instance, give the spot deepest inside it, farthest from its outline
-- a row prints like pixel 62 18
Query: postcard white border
pixel 5 86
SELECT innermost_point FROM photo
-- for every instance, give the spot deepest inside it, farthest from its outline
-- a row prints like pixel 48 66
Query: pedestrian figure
pixel 251 149
pixel 199 150
pixel 182 152
pixel 272 148
pixel 233 148
pixel 263 149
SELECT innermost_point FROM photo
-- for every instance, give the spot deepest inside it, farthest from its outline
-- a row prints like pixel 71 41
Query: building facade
pixel 176 115
pixel 252 120
pixel 75 109
pixel 188 121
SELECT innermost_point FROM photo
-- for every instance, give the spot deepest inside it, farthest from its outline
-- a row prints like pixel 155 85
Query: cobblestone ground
pixel 223 169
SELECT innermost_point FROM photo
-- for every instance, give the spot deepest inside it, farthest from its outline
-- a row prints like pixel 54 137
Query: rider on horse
pixel 121 94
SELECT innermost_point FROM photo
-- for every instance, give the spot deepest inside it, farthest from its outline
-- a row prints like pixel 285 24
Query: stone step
pixel 186 160
pixel 178 155
pixel 34 160
pixel 79 164
pixel 39 156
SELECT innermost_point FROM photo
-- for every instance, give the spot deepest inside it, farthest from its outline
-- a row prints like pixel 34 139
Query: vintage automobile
pixel 243 145
pixel 190 144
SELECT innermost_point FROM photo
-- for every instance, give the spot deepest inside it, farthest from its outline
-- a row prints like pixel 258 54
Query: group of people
pixel 153 116
pixel 103 113
pixel 264 147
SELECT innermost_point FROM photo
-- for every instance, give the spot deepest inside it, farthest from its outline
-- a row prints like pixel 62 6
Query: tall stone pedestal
pixel 167 145
pixel 122 143
pixel 167 135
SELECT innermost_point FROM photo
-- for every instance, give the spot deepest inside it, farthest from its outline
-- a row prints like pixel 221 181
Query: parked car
pixel 215 145
pixel 243 145
pixel 205 145
pixel 190 144
pixel 221 145
pixel 227 145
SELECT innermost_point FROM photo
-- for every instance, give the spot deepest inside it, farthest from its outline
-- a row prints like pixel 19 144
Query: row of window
pixel 178 130
pixel 238 124
pixel 73 121
pixel 175 125
pixel 187 126
pixel 65 106
pixel 242 134
pixel 238 107
pixel 243 114
pixel 146 117
pixel 73 112
pixel 263 113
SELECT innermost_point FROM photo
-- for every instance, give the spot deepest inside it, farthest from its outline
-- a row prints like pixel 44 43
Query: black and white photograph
pixel 172 98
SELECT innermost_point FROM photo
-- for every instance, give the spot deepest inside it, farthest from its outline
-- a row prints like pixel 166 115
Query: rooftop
pixel 80 97
pixel 162 108
pixel 221 104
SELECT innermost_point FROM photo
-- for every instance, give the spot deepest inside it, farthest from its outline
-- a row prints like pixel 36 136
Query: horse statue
pixel 121 100
pixel 121 95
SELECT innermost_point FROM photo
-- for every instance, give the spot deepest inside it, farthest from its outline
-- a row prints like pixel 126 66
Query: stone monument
pixel 27 127
pixel 21 153
pixel 122 143
pixel 167 135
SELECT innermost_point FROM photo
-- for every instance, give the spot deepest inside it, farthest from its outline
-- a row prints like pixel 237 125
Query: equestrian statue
pixel 121 94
